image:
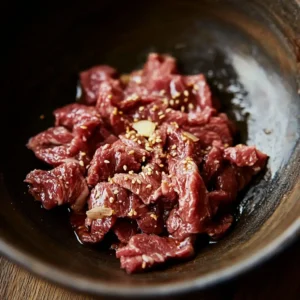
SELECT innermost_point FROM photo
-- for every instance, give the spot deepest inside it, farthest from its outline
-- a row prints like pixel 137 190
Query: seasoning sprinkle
pixel 131 152
pixel 153 216
pixel 186 93
pixel 148 186
pixel 125 168
pixel 138 181
pixel 83 127
pixel 131 172
pixel 81 163
pixel 116 192
pixel 182 108
pixel 161 117
pixel 111 199
pixel 106 161
pixel 191 106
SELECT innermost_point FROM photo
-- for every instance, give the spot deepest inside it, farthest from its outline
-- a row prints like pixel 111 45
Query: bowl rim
pixel 77 283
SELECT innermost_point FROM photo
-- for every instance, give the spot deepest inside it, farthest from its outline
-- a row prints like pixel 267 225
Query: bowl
pixel 250 53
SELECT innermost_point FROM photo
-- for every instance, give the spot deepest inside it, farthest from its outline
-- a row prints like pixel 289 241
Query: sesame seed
pixel 133 181
pixel 144 158
pixel 42 117
pixel 148 186
pixel 161 165
pixel 177 101
pixel 111 199
pixel 182 108
pixel 172 102
pixel 143 265
pixel 196 87
pixel 116 192
pixel 131 152
pixel 109 96
pixel 83 127
pixel 137 192
pixel 81 163
pixel 139 142
pixel 82 153
pixel 106 161
pixel 162 92
pixel 138 181
pixel 126 178
pixel 160 113
pixel 186 93
pixel 115 111
pixel 120 112
pixel 149 148
pixel 168 110
pixel 135 120
pixel 191 106
pixel 185 100
pixel 173 153
pixel 125 168
pixel 141 108
pixel 157 173
pixel 174 147
pixel 161 117
pixel 131 172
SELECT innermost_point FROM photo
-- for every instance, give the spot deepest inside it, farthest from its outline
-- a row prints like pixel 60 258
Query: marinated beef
pixel 146 156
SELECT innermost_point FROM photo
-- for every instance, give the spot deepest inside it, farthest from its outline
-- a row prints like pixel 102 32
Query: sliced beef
pixel 145 184
pixel 217 229
pixel 57 145
pixel 62 185
pixel 246 156
pixel 91 79
pixel 158 157
pixel 125 229
pixel 193 202
pixel 212 162
pixel 114 158
pixel 79 118
pixel 145 251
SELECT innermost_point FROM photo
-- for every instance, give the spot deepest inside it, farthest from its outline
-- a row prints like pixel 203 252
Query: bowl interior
pixel 243 52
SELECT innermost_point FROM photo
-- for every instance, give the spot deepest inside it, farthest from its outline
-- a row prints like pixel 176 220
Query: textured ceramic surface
pixel 250 54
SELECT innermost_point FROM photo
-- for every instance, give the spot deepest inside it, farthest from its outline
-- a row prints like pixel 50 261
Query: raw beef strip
pixel 144 251
pixel 114 158
pixel 57 145
pixel 81 119
pixel 212 163
pixel 146 184
pixel 246 156
pixel 110 94
pixel 193 204
pixel 124 229
pixel 217 229
pixel 201 90
pixel 91 79
pixel 62 185
pixel 194 209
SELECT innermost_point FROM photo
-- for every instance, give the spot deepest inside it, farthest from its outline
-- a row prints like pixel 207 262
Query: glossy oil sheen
pixel 248 53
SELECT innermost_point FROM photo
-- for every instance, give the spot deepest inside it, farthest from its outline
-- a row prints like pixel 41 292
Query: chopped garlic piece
pixel 99 212
pixel 190 136
pixel 144 127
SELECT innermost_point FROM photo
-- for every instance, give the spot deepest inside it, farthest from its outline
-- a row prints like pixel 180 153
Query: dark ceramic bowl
pixel 249 51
